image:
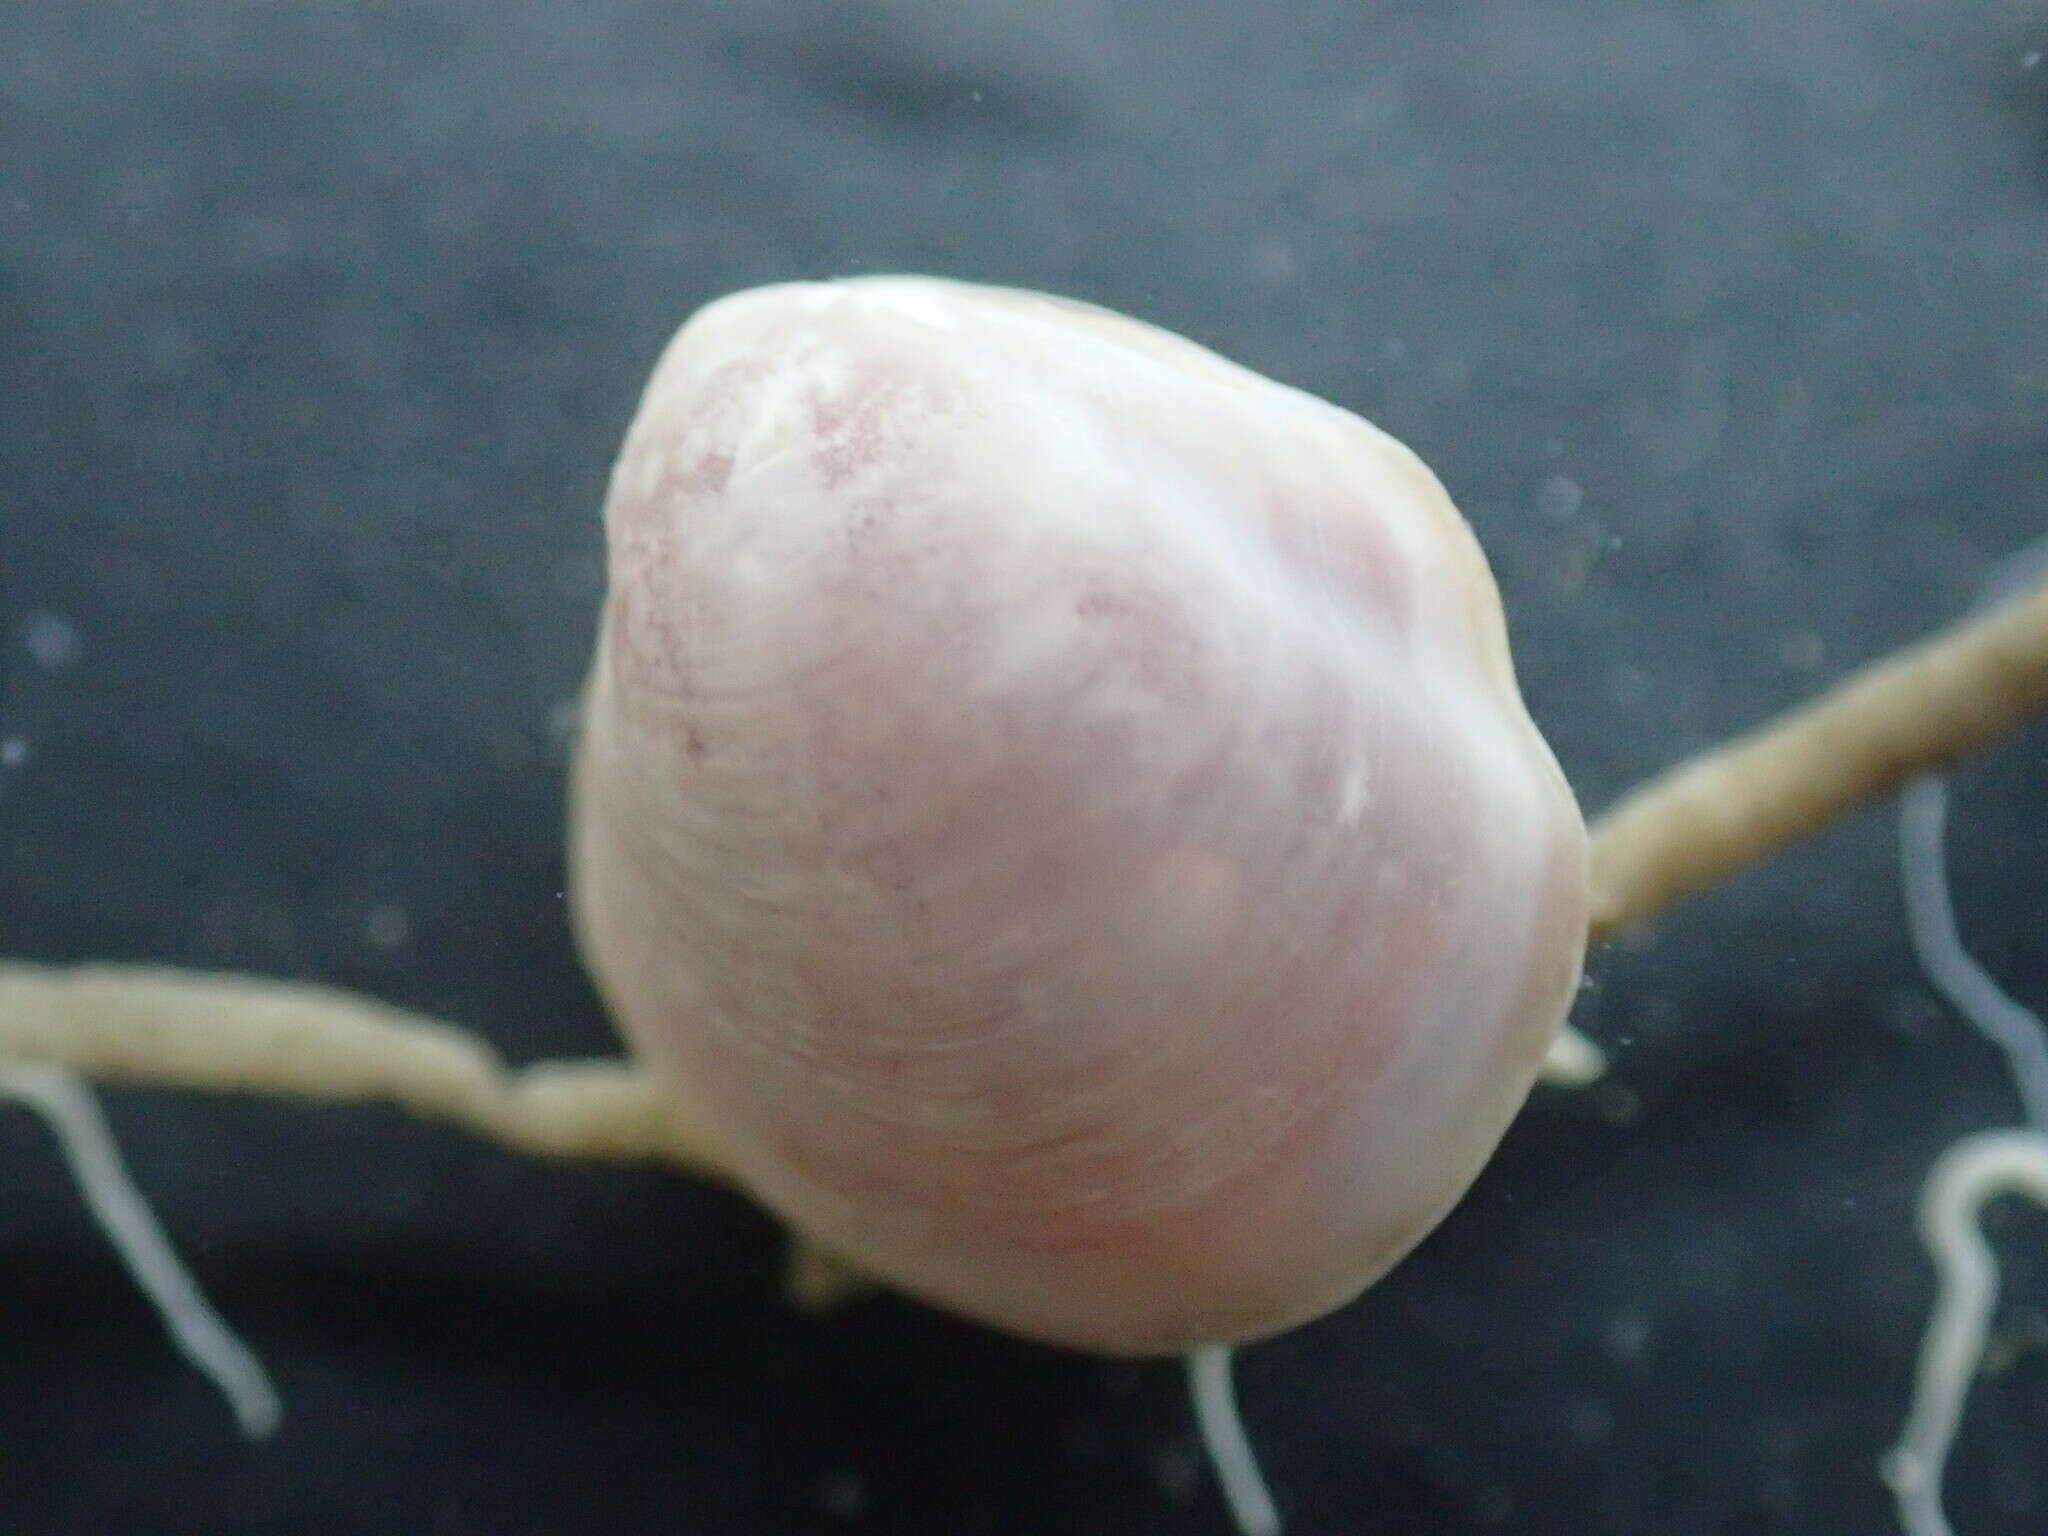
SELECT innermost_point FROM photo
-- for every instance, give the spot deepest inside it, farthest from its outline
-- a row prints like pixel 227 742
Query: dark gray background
pixel 1727 325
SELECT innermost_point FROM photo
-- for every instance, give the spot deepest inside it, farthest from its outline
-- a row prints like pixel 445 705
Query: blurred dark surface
pixel 1727 326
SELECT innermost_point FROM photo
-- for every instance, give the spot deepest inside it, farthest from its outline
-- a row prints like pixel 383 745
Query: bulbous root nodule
pixel 1059 805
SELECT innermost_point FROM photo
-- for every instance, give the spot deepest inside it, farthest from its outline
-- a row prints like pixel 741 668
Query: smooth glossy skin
pixel 1058 805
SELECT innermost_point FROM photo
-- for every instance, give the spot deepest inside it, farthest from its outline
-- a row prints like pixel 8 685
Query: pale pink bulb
pixel 1057 806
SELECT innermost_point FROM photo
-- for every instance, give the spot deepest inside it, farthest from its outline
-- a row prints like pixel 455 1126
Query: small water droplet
pixel 1803 651
pixel 1560 497
pixel 52 639
pixel 388 927
pixel 1627 1337
pixel 564 716
pixel 843 1495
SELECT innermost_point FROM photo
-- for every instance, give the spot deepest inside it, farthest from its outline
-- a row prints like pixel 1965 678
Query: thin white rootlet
pixel 1965 1177
pixel 1953 970
pixel 1229 1448
pixel 1977 1168
pixel 1973 1171
pixel 199 1332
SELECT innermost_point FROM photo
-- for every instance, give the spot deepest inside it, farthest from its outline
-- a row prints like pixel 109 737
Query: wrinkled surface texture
pixel 1058 804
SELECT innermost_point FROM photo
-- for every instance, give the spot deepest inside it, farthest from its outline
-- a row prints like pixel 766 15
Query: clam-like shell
pixel 1057 805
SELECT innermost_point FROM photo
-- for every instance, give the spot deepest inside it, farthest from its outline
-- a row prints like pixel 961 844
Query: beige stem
pixel 1915 712
pixel 171 1028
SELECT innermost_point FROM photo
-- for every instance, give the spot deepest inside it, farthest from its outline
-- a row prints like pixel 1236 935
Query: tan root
pixel 1918 711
